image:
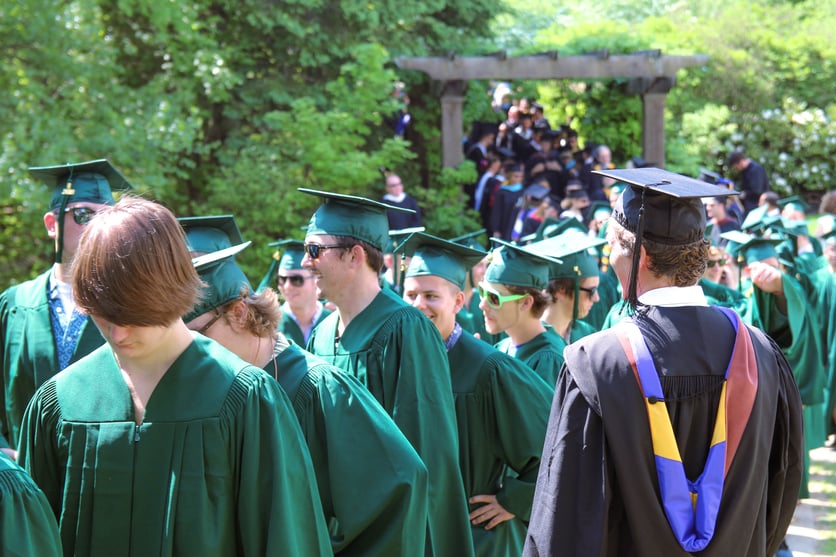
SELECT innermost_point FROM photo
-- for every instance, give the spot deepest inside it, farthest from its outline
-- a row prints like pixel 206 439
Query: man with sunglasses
pixel 679 430
pixel 390 347
pixel 513 300
pixel 502 405
pixel 301 310
pixel 41 331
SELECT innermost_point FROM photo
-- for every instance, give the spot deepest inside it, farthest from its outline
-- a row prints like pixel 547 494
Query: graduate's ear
pixel 237 315
pixel 459 302
pixel 51 224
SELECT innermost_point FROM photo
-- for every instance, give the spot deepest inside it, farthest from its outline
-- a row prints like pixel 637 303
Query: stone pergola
pixel 651 76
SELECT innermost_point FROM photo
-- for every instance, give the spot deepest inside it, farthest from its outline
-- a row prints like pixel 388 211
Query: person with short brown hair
pixel 162 442
pixel 513 300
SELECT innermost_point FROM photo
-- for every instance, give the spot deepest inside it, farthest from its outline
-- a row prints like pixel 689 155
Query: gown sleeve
pixel 573 464
pixel 423 408
pixel 27 523
pixel 379 498
pixel 278 510
pixel 38 451
pixel 522 409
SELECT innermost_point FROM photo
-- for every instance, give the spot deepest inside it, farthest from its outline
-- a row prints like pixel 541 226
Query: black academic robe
pixel 597 491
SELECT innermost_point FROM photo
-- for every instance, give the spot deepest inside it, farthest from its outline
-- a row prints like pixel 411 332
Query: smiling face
pixel 437 298
pixel 328 268
pixel 298 295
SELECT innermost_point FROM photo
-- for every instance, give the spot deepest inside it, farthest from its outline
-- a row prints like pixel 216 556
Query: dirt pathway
pixel 806 531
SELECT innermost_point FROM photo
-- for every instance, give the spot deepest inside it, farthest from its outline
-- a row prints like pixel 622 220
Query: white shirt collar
pixel 674 296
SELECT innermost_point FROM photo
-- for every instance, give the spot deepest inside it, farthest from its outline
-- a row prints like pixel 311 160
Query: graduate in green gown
pixel 41 331
pixel 391 348
pixel 513 301
pixel 372 483
pixel 162 442
pixel 573 283
pixel 27 525
pixel 779 303
pixel 825 280
pixel 301 310
pixel 501 405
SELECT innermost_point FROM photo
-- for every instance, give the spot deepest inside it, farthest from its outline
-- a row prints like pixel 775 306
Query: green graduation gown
pixel 28 352
pixel 27 525
pixel 372 483
pixel 289 328
pixel 543 354
pixel 502 408
pixel 825 281
pixel 218 466
pixel 397 352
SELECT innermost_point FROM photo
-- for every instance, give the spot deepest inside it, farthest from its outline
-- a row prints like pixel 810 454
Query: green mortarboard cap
pixel 223 277
pixel 290 258
pixel 599 208
pixel 396 237
pixel 573 250
pixel 757 219
pixel 433 256
pixel 470 239
pixel 512 265
pixel 91 181
pixel 794 201
pixel 618 188
pixel 753 248
pixel 352 216
pixel 556 228
pixel 210 234
pixel 291 255
pixel 709 229
pixel 792 227
pixel 660 206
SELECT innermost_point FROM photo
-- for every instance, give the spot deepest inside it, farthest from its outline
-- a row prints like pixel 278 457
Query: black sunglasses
pixel 591 291
pixel 295 280
pixel 81 215
pixel 313 250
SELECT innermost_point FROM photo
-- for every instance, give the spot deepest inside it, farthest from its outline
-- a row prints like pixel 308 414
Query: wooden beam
pixel 646 64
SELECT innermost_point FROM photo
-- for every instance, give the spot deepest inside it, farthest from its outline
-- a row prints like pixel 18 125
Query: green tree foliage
pixel 768 83
pixel 216 106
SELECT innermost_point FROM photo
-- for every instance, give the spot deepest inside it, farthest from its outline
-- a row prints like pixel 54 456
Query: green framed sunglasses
pixel 494 298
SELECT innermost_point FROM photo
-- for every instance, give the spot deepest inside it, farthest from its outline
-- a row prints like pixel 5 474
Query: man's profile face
pixel 328 267
pixel 72 229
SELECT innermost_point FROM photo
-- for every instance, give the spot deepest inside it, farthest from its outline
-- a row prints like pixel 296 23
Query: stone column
pixel 452 126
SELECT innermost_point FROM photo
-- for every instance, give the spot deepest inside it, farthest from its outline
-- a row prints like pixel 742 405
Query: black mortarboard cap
pixel 660 206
